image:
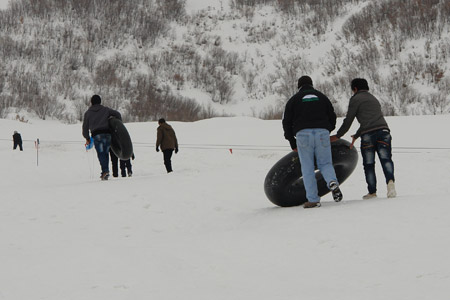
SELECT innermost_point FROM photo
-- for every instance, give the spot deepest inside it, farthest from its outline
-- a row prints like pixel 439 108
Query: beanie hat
pixel 360 84
pixel 96 99
pixel 304 80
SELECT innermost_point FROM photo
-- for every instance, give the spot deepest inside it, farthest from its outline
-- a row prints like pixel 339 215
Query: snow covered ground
pixel 207 231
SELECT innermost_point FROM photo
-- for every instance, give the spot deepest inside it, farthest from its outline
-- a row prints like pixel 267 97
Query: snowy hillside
pixel 3 4
pixel 191 60
pixel 207 231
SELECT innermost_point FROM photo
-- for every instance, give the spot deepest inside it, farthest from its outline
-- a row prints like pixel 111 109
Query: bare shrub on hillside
pixel 397 20
pixel 105 74
pixel 245 7
pixel 287 73
pixel 433 72
pixel 334 61
pixel 8 47
pixel 151 103
pixel 6 103
pixel 2 80
pixel 81 105
pixel 172 9
pixel 249 80
pixel 274 112
pixel 261 33
pixel 438 103
pixel 46 106
pixel 223 87
pixel 207 112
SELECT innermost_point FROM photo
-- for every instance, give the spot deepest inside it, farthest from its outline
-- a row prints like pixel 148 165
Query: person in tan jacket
pixel 167 141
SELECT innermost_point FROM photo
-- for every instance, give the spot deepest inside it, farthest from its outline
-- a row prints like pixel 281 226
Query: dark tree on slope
pixel 172 9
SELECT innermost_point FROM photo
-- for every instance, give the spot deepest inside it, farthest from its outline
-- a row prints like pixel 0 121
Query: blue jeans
pixel 102 143
pixel 379 141
pixel 315 143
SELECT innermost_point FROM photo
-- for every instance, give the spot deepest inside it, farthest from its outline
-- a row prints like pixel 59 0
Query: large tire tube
pixel 284 182
pixel 121 143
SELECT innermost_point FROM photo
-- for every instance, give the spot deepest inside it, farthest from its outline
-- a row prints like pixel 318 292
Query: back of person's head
pixel 304 80
pixel 96 99
pixel 15 132
pixel 161 121
pixel 360 84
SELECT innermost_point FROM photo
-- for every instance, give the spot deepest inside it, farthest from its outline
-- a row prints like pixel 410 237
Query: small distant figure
pixel 167 140
pixel 17 138
pixel 125 167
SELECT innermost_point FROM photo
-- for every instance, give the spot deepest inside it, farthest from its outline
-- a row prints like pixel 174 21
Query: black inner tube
pixel 284 182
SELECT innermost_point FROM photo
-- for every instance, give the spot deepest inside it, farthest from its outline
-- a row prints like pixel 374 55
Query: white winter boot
pixel 391 193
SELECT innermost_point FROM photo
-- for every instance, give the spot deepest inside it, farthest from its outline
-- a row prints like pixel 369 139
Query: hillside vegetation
pixel 149 58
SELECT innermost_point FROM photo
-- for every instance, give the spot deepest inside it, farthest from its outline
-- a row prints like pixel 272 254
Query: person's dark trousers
pixel 125 165
pixel 115 164
pixel 102 143
pixel 167 159
pixel 17 144
pixel 380 142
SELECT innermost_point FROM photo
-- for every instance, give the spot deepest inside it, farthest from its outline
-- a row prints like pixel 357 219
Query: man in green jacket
pixel 167 140
pixel 375 136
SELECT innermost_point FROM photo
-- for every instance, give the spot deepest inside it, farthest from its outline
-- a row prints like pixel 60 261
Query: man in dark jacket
pixel 17 139
pixel 375 136
pixel 96 121
pixel 308 119
pixel 167 140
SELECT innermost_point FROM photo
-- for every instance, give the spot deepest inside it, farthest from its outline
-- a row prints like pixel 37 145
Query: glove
pixel 293 143
pixel 132 156
pixel 157 149
pixel 176 150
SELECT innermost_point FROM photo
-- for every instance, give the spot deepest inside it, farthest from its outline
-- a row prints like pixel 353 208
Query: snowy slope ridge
pixel 207 231
pixel 201 59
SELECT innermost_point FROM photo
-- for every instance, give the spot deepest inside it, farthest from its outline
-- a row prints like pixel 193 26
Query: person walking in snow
pixel 114 163
pixel 17 140
pixel 308 119
pixel 96 121
pixel 126 167
pixel 167 140
pixel 375 136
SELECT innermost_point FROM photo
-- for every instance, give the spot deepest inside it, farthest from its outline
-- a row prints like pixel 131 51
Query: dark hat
pixel 96 99
pixel 160 121
pixel 360 84
pixel 304 80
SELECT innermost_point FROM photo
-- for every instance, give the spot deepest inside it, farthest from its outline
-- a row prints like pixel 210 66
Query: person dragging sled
pixel 96 121
pixel 167 140
pixel 375 136
pixel 125 165
pixel 308 119
pixel 17 140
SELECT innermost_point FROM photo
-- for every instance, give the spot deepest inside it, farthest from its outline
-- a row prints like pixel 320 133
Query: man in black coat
pixel 308 119
pixel 17 138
